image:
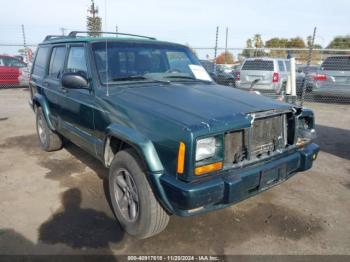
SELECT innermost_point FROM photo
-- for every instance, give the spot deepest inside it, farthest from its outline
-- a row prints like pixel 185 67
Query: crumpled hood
pixel 192 104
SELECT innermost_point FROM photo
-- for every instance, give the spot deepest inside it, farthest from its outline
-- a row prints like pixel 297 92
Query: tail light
pixel 238 76
pixel 320 77
pixel 275 77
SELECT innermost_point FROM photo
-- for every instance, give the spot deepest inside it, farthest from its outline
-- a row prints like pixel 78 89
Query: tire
pixel 133 202
pixel 48 140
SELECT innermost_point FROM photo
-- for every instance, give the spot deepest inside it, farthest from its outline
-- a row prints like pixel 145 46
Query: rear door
pixel 52 83
pixel 257 69
pixel 337 70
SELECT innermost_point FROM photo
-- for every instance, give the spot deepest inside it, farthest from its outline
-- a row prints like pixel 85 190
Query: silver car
pixel 336 71
pixel 268 75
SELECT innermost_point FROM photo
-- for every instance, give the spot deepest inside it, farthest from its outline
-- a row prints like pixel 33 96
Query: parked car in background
pixel 221 74
pixel 335 73
pixel 13 72
pixel 269 75
pixel 308 76
pixel 174 141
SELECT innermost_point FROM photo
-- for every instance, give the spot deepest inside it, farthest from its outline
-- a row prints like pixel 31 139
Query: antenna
pixel 107 86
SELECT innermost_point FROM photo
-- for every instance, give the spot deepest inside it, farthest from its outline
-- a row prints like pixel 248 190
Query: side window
pixel 288 66
pixel 40 61
pixel 76 59
pixel 57 61
pixel 281 66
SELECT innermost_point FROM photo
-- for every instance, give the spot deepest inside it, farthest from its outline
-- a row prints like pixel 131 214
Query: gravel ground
pixel 54 203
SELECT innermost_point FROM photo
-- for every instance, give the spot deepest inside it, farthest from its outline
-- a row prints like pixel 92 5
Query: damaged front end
pixel 271 133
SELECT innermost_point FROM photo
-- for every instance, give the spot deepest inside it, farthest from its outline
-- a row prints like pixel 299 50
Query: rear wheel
pixel 132 198
pixel 49 141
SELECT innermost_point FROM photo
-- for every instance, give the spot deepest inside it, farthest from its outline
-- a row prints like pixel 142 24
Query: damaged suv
pixel 174 141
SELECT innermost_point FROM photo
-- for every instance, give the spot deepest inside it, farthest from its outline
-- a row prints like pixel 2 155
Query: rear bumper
pixel 233 185
pixel 333 91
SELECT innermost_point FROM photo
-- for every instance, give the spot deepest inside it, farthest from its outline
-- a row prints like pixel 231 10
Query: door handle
pixel 64 90
pixel 45 83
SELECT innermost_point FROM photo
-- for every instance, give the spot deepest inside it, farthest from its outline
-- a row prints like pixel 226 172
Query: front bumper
pixel 233 185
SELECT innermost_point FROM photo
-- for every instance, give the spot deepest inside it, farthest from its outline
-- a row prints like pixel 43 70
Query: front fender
pixel 40 100
pixel 142 144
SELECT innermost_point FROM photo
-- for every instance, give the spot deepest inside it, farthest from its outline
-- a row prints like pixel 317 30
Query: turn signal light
pixel 208 168
pixel 181 158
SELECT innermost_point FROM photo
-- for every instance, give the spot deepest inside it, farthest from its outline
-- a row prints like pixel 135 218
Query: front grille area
pixel 266 136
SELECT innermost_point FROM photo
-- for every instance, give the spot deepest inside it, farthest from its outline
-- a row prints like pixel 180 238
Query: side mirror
pixel 74 81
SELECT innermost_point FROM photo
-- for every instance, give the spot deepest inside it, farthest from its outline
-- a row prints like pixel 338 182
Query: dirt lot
pixel 54 203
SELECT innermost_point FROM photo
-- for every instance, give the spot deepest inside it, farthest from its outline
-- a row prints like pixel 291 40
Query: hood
pixel 194 104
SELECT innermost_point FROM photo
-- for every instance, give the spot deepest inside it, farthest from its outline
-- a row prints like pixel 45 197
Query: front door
pixel 77 106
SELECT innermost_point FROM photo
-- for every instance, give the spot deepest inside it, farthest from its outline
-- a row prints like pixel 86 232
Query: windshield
pixel 121 62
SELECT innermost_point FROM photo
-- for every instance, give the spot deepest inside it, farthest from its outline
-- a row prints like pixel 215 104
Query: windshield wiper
pixel 137 78
pixel 187 77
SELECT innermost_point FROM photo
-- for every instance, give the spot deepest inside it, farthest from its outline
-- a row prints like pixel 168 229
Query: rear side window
pixel 337 63
pixel 281 66
pixel 40 61
pixel 57 61
pixel 261 65
pixel 76 59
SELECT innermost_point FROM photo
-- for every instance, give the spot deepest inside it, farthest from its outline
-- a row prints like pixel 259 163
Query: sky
pixel 182 21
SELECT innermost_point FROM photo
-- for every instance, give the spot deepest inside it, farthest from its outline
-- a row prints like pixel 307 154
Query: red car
pixel 13 72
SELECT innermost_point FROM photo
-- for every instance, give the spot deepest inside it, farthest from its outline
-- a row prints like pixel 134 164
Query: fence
pixel 320 75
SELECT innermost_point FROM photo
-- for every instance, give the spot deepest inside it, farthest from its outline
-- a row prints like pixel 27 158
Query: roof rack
pixel 74 34
pixel 50 37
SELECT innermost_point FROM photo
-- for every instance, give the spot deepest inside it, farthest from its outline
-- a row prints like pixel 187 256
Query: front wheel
pixel 132 198
pixel 49 141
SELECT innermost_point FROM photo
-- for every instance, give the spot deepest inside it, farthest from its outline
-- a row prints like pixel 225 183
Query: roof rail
pixel 50 37
pixel 74 34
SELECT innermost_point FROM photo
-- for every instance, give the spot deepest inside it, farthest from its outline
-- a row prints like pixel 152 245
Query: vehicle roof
pixel 120 39
pixel 7 56
pixel 265 58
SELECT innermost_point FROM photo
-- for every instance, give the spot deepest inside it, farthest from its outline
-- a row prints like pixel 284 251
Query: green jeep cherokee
pixel 174 141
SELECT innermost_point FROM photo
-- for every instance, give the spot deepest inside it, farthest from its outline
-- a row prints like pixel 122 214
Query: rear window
pixel 340 63
pixel 40 61
pixel 281 66
pixel 261 65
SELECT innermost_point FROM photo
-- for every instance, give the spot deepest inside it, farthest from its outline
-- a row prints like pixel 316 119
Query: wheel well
pixel 113 145
pixel 36 105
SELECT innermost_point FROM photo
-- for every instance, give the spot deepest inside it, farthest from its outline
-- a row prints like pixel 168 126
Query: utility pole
pixel 25 44
pixel 309 57
pixel 105 27
pixel 226 45
pixel 63 31
pixel 216 47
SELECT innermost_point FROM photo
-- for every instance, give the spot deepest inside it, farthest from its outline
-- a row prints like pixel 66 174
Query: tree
pixel 225 58
pixel 258 42
pixel 255 42
pixel 340 42
pixel 296 42
pixel 93 21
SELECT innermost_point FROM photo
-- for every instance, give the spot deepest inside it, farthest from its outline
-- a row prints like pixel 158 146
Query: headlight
pixel 205 148
pixel 306 131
